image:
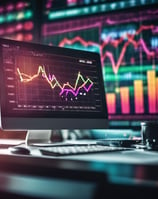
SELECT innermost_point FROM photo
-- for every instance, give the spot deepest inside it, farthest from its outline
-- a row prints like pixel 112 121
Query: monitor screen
pixel 125 34
pixel 45 87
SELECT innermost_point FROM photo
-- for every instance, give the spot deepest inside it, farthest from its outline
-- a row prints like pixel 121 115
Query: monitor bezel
pixel 74 121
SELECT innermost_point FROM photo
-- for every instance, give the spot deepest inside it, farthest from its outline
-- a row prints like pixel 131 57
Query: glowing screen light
pixel 48 82
pixel 127 42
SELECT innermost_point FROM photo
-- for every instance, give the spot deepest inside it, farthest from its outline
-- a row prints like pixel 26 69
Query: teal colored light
pixel 28 14
pixel 113 5
pixel 86 10
pixel 2 19
pixel 10 17
pixel 109 77
pixel 96 9
pixel 69 13
pixel 55 15
pixel 122 4
pixel 80 47
pixel 72 12
pixel 126 69
pixel 133 2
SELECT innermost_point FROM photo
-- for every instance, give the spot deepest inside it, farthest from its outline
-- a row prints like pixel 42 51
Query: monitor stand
pixel 41 137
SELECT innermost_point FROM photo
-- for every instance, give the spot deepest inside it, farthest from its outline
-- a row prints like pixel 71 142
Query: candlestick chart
pixel 128 47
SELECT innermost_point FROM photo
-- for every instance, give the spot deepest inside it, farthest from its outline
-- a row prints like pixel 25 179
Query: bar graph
pixel 111 101
pixel 152 88
pixel 138 96
pixel 124 95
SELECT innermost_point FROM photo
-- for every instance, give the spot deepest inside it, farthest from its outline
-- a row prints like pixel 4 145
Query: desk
pixel 126 173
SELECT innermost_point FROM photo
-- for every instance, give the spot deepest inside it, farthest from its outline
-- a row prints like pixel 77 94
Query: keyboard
pixel 78 149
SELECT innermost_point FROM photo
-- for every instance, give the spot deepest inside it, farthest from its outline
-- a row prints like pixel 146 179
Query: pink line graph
pixel 115 44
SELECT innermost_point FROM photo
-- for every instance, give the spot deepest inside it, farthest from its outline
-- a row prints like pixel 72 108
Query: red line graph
pixel 53 82
pixel 77 39
pixel 115 43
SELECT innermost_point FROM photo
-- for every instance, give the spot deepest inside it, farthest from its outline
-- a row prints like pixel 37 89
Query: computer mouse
pixel 19 150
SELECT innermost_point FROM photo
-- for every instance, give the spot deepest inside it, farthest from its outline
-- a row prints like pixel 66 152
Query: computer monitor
pixel 125 34
pixel 45 87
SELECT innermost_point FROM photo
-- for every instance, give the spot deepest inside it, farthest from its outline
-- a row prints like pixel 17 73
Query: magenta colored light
pixel 20 5
pixel 10 7
pixel 28 25
pixel 71 1
pixel 48 5
pixel 28 37
pixel 19 26
pixel 10 29
pixel 2 31
pixel 1 9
